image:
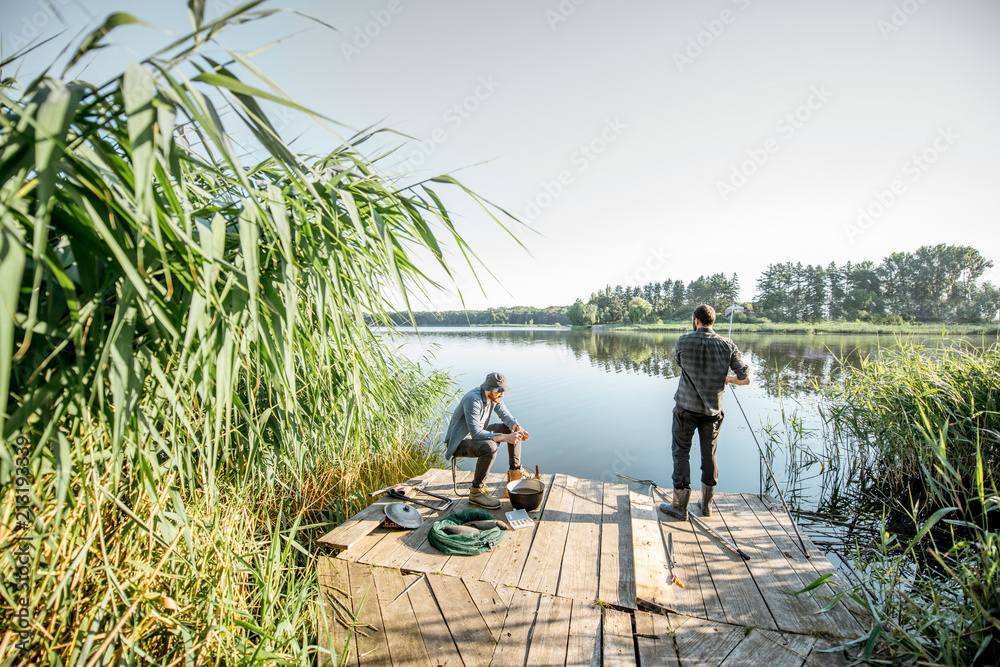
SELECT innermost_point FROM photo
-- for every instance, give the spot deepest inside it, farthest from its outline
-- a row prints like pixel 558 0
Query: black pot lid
pixel 403 515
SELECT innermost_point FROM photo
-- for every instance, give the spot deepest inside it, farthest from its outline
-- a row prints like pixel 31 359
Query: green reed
pixel 183 347
pixel 904 407
pixel 919 431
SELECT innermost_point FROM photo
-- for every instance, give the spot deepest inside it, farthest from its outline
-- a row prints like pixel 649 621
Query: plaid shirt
pixel 705 358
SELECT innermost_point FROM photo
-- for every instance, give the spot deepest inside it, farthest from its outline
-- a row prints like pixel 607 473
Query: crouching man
pixel 470 434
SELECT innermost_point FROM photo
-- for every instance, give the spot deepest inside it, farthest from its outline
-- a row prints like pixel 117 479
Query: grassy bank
pixel 918 430
pixel 827 328
pixel 154 566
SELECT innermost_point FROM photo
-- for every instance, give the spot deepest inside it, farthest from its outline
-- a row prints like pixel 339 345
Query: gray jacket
pixel 468 417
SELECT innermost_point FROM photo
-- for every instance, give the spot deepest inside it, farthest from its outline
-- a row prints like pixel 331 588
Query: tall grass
pixel 932 582
pixel 183 347
pixel 906 406
pixel 919 431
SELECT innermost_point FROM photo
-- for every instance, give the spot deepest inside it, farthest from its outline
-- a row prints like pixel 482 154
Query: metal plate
pixel 403 515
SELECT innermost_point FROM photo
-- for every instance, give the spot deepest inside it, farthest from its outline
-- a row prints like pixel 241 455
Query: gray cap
pixel 495 382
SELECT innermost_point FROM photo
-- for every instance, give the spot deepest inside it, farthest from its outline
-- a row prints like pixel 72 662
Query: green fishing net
pixel 464 545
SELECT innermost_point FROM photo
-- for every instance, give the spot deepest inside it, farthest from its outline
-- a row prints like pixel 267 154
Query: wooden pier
pixel 588 584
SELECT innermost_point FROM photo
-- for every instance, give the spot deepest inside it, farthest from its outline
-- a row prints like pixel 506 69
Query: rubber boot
pixel 706 499
pixel 679 507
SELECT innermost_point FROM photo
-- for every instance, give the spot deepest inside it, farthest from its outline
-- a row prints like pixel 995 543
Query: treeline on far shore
pixel 516 315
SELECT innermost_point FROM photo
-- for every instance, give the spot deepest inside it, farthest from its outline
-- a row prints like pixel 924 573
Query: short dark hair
pixel 705 314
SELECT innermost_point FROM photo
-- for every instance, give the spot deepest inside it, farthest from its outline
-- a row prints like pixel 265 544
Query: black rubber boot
pixel 706 499
pixel 679 507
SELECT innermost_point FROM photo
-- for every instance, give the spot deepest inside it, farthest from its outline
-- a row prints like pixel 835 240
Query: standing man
pixel 471 434
pixel 705 359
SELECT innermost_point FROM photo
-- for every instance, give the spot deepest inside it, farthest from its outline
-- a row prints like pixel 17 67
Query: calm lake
pixel 599 402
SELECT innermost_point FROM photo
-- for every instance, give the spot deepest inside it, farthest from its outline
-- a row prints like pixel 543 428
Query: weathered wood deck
pixel 587 585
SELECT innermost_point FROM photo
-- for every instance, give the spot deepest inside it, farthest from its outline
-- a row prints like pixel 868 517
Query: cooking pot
pixel 526 494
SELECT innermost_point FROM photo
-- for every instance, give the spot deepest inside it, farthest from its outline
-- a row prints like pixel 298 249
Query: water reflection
pixel 789 365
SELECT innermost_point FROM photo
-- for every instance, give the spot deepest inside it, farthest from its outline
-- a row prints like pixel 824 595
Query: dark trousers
pixel 682 433
pixel 486 452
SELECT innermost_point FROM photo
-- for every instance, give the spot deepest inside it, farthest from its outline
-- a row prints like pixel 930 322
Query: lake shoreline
pixel 819 328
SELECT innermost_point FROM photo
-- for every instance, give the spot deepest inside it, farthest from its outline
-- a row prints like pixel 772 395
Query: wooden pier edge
pixel 588 584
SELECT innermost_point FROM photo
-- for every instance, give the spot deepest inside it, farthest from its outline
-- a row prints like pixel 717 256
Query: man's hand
pixel 518 429
pixel 512 438
pixel 732 379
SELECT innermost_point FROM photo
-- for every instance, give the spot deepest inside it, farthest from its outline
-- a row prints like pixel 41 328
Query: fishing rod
pixel 731 311
pixel 655 487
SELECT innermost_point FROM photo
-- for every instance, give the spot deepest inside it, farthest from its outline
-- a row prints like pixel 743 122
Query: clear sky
pixel 640 140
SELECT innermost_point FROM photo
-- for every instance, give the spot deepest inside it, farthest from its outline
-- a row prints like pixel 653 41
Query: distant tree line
pixel 667 300
pixel 491 316
pixel 934 284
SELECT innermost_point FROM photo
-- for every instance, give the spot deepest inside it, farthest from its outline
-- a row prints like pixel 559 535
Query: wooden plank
pixel 472 637
pixel 770 569
pixel 365 521
pixel 761 647
pixel 504 555
pixel 471 567
pixel 369 548
pixel 425 557
pixel 365 544
pixel 741 601
pixel 839 621
pixel 381 542
pixel 505 593
pixel 617 576
pixel 512 649
pixel 584 648
pixel 580 570
pixel 652 587
pixel 818 561
pixel 541 569
pixel 505 567
pixel 616 639
pixel 406 646
pixel 701 642
pixel 774 506
pixel 550 637
pixel 491 605
pixel 655 639
pixel 335 605
pixel 416 554
pixel 433 629
pixel 825 658
pixel 396 553
pixel 372 648
pixel 698 596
